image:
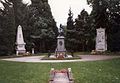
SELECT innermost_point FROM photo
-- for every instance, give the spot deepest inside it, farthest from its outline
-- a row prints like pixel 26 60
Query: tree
pixel 7 24
pixel 83 32
pixel 42 26
pixel 99 13
pixel 37 22
pixel 109 18
pixel 70 33
pixel 114 19
pixel 100 16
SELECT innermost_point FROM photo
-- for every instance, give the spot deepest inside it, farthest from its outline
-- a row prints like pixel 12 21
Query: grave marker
pixel 20 48
pixel 101 43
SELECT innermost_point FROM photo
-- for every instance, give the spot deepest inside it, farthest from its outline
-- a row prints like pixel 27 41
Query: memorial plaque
pixel 101 44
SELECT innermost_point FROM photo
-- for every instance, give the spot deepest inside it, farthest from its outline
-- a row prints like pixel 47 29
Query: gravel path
pixel 83 58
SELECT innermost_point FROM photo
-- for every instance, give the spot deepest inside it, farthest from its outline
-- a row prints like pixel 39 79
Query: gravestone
pixel 33 51
pixel 33 48
pixel 60 50
pixel 61 76
pixel 20 44
pixel 101 43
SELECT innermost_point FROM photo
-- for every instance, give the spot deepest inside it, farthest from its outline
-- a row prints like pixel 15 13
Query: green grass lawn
pixel 83 72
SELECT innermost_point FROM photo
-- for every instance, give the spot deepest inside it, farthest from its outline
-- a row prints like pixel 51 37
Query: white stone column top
pixel 20 39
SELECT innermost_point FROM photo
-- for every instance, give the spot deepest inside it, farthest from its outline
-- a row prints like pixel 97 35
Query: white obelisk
pixel 20 49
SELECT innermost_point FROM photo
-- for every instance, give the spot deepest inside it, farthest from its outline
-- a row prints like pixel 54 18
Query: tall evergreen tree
pixel 42 26
pixel 70 33
pixel 83 32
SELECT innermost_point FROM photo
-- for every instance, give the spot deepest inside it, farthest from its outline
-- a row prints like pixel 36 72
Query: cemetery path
pixel 83 58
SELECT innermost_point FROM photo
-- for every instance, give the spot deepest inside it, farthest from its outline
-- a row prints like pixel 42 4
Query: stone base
pixel 52 56
pixel 61 76
pixel 67 56
pixel 62 53
pixel 20 52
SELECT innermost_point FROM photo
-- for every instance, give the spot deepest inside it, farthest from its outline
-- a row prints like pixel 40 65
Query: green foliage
pixel 99 14
pixel 114 18
pixel 7 27
pixel 13 14
pixel 79 34
pixel 70 33
pixel 106 14
pixel 84 32
pixel 37 21
pixel 44 31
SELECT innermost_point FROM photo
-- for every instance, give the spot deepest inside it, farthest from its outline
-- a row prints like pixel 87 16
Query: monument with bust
pixel 60 51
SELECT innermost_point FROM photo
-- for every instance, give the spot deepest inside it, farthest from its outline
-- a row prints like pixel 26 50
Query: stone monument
pixel 20 44
pixel 61 76
pixel 33 51
pixel 101 43
pixel 60 50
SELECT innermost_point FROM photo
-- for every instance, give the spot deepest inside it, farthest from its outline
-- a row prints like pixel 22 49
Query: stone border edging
pixel 83 58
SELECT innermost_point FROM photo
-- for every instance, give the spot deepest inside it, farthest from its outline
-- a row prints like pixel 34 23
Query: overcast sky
pixel 60 9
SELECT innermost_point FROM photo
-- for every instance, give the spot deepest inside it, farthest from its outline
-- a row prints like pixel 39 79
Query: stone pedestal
pixel 101 43
pixel 61 76
pixel 60 50
pixel 20 44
